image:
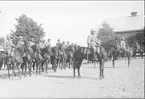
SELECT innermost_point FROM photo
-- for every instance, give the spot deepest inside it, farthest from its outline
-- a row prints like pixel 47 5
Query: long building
pixel 128 25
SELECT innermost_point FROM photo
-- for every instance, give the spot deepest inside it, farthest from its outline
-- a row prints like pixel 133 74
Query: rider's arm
pixel 88 40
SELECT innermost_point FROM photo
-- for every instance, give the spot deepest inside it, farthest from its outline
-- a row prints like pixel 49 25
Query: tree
pixel 105 33
pixel 27 28
pixel 107 37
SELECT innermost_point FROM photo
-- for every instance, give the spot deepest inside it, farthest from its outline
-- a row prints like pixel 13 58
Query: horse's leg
pixel 33 65
pixel 94 59
pixel 30 67
pixel 36 66
pixel 113 62
pixel 8 67
pixel 13 69
pixel 40 62
pixel 47 65
pixel 79 71
pixel 19 70
pixel 129 58
pixel 100 63
pixel 74 69
pixel 103 62
pixel 22 65
pixel 42 65
pixel 25 65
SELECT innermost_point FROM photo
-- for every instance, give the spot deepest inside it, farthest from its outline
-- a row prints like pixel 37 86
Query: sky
pixel 65 20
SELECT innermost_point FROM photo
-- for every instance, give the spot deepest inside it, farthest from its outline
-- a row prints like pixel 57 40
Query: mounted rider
pixel 9 46
pixel 48 45
pixel 20 42
pixel 67 45
pixel 123 44
pixel 58 44
pixel 63 45
pixel 93 42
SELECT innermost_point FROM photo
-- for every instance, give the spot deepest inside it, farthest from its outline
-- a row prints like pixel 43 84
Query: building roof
pixel 128 23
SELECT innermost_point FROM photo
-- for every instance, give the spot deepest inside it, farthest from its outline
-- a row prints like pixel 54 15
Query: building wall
pixel 127 33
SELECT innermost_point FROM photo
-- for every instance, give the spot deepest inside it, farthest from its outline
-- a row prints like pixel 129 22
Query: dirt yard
pixel 119 82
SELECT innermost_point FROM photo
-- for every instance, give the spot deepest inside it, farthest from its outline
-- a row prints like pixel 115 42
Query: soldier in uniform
pixel 58 42
pixel 20 42
pixel 67 45
pixel 93 42
pixel 10 46
pixel 123 44
pixel 48 43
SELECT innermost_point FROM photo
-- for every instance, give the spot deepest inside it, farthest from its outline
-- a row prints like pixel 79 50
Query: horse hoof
pixel 100 78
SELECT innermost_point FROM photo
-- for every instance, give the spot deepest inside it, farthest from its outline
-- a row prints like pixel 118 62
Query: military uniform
pixel 92 41
pixel 48 44
pixel 9 47
pixel 123 45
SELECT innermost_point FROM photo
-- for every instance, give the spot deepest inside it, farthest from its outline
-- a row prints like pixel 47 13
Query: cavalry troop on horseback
pixel 36 56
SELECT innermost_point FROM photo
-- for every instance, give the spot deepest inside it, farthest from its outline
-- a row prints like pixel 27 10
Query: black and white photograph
pixel 72 49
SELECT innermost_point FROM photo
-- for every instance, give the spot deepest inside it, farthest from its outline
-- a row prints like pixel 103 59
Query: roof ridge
pixel 124 17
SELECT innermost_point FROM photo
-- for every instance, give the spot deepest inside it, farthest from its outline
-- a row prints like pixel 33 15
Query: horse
pixel 37 58
pixel 1 58
pixel 27 59
pixel 15 60
pixel 79 55
pixel 69 55
pixel 46 54
pixel 117 52
pixel 54 58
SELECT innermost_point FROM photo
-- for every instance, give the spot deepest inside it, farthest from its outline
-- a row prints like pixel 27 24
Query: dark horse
pixel 54 58
pixel 117 52
pixel 1 58
pixel 46 55
pixel 37 58
pixel 27 59
pixel 79 55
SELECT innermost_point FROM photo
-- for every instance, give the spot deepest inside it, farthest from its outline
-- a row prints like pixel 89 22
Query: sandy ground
pixel 119 82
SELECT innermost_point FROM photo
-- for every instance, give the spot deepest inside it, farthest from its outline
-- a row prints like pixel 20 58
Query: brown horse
pixel 15 60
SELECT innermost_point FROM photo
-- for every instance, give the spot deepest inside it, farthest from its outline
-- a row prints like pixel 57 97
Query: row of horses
pixel 37 59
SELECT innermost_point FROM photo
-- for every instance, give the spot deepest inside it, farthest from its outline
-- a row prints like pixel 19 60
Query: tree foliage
pixel 105 33
pixel 107 36
pixel 27 28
